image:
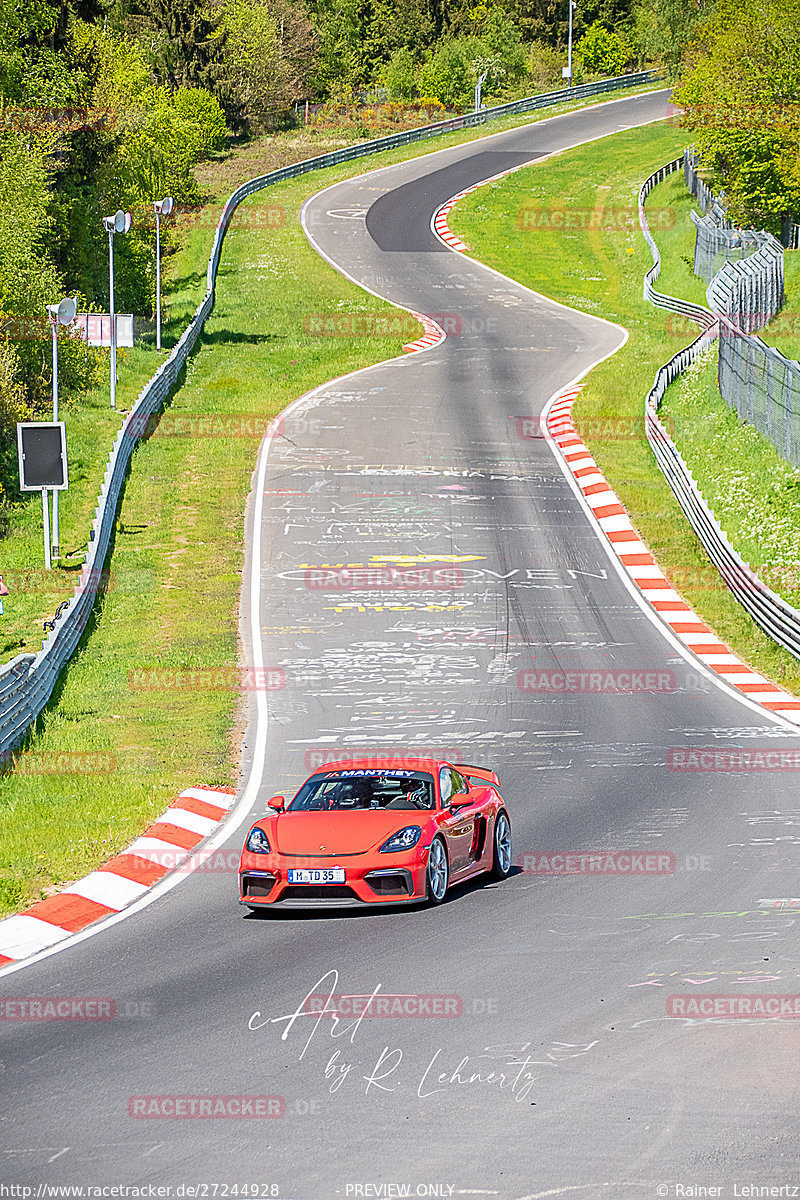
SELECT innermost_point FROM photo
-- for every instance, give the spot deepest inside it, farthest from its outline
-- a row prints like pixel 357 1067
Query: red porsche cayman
pixel 377 831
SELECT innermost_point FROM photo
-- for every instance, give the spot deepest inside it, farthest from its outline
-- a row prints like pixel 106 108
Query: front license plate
pixel 331 875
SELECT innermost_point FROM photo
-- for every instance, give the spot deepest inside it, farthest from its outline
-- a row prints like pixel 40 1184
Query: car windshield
pixel 338 791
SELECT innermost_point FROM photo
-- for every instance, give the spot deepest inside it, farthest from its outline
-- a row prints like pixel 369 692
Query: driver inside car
pixel 356 793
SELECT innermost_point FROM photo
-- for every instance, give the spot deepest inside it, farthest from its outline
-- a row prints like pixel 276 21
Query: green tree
pixel 602 51
pixel 191 44
pixel 400 76
pixel 447 75
pixel 268 53
pixel 662 29
pixel 343 64
pixel 740 91
pixel 495 49
pixel 29 279
pixel 400 24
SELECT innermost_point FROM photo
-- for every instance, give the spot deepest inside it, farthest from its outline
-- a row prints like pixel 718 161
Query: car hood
pixel 319 834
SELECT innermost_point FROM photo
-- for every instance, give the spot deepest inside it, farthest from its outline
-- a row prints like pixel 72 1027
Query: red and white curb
pixel 432 336
pixel 648 576
pixel 439 223
pixel 125 878
pixel 443 229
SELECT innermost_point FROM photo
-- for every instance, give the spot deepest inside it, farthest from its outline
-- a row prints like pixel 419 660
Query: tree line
pixel 108 104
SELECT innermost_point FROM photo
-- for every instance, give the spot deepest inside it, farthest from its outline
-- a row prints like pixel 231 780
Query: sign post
pixel 46 525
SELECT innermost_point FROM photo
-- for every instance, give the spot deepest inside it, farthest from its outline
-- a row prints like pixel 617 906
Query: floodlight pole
pixel 54 321
pixel 161 207
pixel 110 228
pixel 60 314
pixel 158 275
pixel 119 223
pixel 572 5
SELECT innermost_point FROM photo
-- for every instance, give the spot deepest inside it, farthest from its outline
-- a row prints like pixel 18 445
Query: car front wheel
pixel 438 872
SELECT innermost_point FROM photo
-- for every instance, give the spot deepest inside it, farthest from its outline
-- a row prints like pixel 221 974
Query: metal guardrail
pixel 771 612
pixel 695 312
pixel 27 682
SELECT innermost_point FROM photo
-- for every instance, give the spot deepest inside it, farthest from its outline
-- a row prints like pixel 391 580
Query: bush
pixel 544 66
pixel 603 52
pixel 12 394
pixel 203 120
pixel 447 76
pixel 400 77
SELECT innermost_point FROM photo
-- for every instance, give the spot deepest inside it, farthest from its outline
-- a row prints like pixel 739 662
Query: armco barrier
pixel 775 616
pixel 27 682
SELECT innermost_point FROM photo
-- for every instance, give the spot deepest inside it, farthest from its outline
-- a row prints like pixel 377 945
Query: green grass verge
pixel 600 270
pixel 178 554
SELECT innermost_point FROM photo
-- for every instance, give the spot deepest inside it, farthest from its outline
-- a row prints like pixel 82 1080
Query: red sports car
pixel 377 831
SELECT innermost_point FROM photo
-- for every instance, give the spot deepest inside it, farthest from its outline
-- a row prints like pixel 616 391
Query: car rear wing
pixel 478 773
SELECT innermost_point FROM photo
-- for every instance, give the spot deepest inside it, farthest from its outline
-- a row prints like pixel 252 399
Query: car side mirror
pixel 277 802
pixel 455 805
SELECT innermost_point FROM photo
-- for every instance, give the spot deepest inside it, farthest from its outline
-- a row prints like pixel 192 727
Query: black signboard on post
pixel 42 454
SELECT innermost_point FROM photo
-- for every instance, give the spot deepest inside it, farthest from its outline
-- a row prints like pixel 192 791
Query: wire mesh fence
pixel 744 270
pixel 717 243
pixel 764 388
pixel 697 186
pixel 749 293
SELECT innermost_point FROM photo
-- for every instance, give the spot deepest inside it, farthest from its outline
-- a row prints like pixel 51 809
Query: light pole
pixel 572 5
pixel 162 209
pixel 60 314
pixel 478 87
pixel 119 223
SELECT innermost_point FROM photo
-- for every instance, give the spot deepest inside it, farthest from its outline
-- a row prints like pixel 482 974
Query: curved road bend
pixel 562 984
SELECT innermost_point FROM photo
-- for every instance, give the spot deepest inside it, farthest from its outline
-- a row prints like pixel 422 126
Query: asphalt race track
pixel 558 1069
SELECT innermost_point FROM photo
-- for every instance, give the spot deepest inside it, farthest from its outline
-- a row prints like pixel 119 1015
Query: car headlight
pixel 404 839
pixel 257 842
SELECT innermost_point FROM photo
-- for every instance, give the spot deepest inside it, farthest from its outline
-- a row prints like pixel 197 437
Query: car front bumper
pixel 263 881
